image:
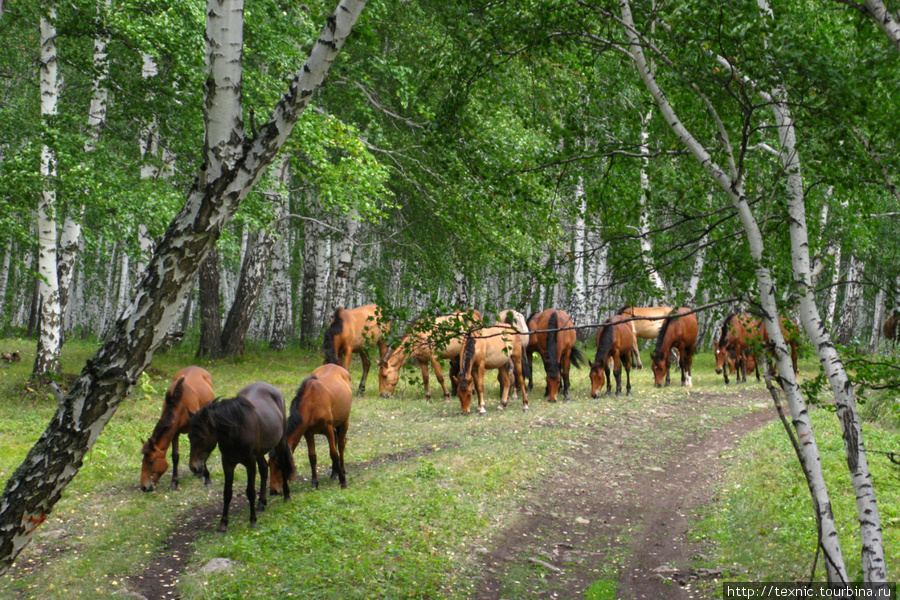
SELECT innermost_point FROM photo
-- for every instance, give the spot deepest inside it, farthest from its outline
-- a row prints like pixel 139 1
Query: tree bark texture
pixel 210 307
pixel 36 486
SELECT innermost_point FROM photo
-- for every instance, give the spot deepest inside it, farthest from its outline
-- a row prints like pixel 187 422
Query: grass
pixel 427 487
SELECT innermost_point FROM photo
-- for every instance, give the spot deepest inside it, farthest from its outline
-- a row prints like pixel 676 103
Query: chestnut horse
pixel 245 428
pixel 680 333
pixel 647 329
pixel 517 320
pixel 554 337
pixel 491 348
pixel 190 391
pixel 352 331
pixel 734 346
pixel 890 328
pixel 615 341
pixel 321 406
pixel 427 345
pixel 791 335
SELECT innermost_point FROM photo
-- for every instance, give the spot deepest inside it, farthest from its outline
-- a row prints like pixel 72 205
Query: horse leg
pixel 341 433
pixel 505 380
pixel 530 358
pixel 263 498
pixel 424 366
pixel 565 363
pixel 251 490
pixel 636 350
pixel 227 492
pixel 617 371
pixel 174 485
pixel 440 376
pixel 311 450
pixel 454 375
pixel 335 456
pixel 688 358
pixel 627 362
pixel 479 387
pixel 364 355
pixel 606 373
pixel 520 381
pixel 511 371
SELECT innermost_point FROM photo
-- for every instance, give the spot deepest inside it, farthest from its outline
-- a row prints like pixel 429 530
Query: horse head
pixel 153 466
pixel 598 378
pixel 721 355
pixel 388 376
pixel 660 367
pixel 464 390
pixel 202 437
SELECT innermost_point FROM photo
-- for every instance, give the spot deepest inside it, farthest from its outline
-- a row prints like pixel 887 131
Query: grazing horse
pixel 647 329
pixel 734 346
pixel 557 348
pixel 890 328
pixel 679 333
pixel 491 348
pixel 245 428
pixel 531 347
pixel 791 335
pixel 190 391
pixel 321 406
pixel 615 341
pixel 427 345
pixel 517 320
pixel 352 331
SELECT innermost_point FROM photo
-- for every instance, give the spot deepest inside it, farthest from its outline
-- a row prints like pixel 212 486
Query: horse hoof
pixel 526 409
pixel 207 483
pixel 173 487
pixel 343 485
pixel 253 525
pixel 222 528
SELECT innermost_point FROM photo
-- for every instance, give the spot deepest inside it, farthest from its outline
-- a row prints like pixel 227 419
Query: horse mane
pixel 531 316
pixel 625 308
pixel 662 334
pixel 725 325
pixel 605 341
pixel 228 416
pixel 294 417
pixel 336 327
pixel 466 363
pixel 167 419
pixel 550 351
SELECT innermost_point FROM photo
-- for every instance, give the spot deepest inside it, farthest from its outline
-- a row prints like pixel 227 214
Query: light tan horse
pixel 427 345
pixel 351 331
pixel 647 329
pixel 517 320
pixel 491 348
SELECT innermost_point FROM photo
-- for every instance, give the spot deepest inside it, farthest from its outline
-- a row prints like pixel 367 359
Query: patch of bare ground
pixel 619 509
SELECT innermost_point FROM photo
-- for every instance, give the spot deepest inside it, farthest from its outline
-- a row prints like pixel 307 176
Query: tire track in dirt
pixel 620 521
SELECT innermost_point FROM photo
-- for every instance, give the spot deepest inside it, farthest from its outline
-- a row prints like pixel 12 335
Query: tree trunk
pixel 851 308
pixel 124 285
pixel 281 309
pixel 341 290
pixel 50 322
pixel 210 308
pixel 4 277
pixel 579 284
pixel 38 483
pixel 309 325
pixel 644 218
pixel 877 319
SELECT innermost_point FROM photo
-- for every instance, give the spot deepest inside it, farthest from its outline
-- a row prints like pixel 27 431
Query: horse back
pixel 647 329
pixel 336 381
pixel 496 345
pixel 267 415
pixel 196 392
pixel 363 326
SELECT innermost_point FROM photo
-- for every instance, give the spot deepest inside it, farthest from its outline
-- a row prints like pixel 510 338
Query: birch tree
pixel 36 486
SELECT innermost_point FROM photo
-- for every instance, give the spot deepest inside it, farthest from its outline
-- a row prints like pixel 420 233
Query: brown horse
pixel 427 344
pixel 321 406
pixel 678 332
pixel 554 337
pixel 491 348
pixel 245 428
pixel 734 346
pixel 791 334
pixel 190 391
pixel 352 331
pixel 615 341
pixel 890 328
pixel 647 329
pixel 517 320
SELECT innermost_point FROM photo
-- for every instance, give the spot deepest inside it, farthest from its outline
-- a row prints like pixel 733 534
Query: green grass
pixel 427 487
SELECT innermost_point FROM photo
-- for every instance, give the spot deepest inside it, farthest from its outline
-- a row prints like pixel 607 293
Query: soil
pixel 605 518
pixel 600 517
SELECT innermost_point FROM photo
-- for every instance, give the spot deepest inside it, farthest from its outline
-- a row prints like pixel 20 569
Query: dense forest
pixel 515 155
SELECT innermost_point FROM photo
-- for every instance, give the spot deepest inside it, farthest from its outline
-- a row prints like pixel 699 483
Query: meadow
pixel 429 489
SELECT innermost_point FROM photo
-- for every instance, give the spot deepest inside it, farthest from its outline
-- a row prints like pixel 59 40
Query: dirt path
pixel 619 524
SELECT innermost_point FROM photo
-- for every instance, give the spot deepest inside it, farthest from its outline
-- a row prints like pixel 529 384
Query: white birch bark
pixel 124 277
pixel 851 307
pixel 36 486
pixel 734 189
pixel 4 276
pixel 644 217
pixel 108 291
pixel 834 250
pixel 344 260
pixel 50 326
pixel 887 22
pixel 323 280
pixel 579 283
pixel 281 300
pixel 877 320
pixel 224 117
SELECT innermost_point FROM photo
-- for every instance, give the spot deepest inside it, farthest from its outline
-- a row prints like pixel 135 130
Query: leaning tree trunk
pixel 38 483
pixel 246 297
pixel 50 323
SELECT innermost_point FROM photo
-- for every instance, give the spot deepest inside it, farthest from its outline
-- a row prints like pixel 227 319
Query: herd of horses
pixel 253 430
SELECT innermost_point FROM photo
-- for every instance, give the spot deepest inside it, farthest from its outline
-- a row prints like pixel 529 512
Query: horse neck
pixel 466 360
pixel 605 342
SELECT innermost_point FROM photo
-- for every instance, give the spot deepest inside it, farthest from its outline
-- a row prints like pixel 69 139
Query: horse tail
pixel 576 358
pixel 550 352
pixel 336 327
pixel 282 454
pixel 526 368
pixel 466 362
pixel 604 342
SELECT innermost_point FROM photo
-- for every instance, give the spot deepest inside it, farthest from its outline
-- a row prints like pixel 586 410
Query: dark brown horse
pixel 736 344
pixel 491 348
pixel 321 407
pixel 190 391
pixel 891 330
pixel 679 333
pixel 351 331
pixel 615 341
pixel 245 428
pixel 554 337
